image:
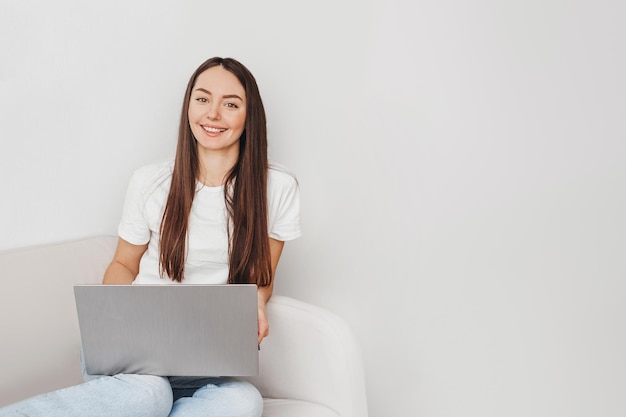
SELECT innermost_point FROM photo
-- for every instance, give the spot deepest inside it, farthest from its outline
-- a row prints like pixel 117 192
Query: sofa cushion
pixel 292 408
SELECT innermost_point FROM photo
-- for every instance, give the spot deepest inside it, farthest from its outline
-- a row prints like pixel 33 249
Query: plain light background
pixel 462 168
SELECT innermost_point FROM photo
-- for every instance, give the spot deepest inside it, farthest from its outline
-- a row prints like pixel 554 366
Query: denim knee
pixel 120 395
pixel 230 397
pixel 152 395
pixel 244 399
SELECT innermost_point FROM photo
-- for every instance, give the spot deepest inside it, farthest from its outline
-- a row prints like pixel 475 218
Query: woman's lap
pixel 144 395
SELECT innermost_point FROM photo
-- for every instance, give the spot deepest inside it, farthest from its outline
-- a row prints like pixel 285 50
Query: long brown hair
pixel 245 191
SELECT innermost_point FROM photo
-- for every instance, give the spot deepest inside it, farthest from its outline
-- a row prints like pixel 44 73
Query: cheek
pixel 235 121
pixel 190 114
pixel 191 124
pixel 242 120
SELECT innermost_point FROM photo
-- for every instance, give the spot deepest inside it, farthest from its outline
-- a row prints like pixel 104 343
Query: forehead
pixel 219 81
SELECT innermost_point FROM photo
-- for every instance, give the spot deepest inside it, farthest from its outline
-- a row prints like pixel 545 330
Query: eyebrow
pixel 225 96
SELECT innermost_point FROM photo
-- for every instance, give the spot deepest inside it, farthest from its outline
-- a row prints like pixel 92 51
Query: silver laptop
pixel 169 330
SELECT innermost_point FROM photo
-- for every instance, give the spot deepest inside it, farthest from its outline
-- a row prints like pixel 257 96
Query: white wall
pixel 462 167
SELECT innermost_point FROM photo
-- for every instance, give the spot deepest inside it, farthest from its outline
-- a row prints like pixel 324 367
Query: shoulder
pixel 155 169
pixel 154 174
pixel 280 176
pixel 282 185
pixel 151 180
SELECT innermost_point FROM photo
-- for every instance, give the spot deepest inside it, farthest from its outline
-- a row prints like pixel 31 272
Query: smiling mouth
pixel 213 129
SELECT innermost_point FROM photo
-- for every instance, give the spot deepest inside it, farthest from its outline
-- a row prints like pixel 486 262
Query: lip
pixel 213 130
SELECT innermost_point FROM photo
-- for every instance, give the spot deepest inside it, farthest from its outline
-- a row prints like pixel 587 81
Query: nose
pixel 213 111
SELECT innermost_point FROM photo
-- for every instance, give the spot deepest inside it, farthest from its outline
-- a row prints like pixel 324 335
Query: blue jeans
pixel 144 396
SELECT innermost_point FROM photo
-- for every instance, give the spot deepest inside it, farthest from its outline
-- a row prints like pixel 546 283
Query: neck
pixel 215 167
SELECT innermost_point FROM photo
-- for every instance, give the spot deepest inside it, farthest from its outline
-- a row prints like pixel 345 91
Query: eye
pixel 232 105
pixel 202 99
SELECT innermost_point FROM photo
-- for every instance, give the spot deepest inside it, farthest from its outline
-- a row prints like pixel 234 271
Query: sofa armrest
pixel 311 355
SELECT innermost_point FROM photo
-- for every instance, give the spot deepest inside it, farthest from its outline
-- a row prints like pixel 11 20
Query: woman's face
pixel 217 111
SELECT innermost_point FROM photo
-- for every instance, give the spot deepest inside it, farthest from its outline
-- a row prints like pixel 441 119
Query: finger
pixel 264 330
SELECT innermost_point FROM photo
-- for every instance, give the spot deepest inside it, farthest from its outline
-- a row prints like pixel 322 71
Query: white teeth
pixel 213 129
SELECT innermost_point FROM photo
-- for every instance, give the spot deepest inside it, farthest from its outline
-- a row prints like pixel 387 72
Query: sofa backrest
pixel 40 349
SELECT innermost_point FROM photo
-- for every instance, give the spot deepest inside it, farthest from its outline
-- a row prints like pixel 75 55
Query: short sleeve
pixel 283 205
pixel 133 226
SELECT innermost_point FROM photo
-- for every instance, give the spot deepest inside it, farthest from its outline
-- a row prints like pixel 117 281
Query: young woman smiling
pixel 217 213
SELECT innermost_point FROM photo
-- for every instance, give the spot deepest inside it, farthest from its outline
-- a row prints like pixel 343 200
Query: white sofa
pixel 310 365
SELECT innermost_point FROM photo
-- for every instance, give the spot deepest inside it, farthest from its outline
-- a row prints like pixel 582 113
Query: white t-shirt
pixel 207 255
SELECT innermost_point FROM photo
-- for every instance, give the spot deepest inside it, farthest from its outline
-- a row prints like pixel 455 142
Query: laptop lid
pixel 169 330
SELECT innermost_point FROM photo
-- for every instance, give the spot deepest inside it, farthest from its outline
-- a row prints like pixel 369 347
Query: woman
pixel 219 213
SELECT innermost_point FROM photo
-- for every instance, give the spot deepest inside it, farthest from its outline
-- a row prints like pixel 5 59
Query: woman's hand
pixel 264 293
pixel 264 326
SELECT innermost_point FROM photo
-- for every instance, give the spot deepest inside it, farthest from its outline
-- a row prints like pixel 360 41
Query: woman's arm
pixel 125 264
pixel 264 293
